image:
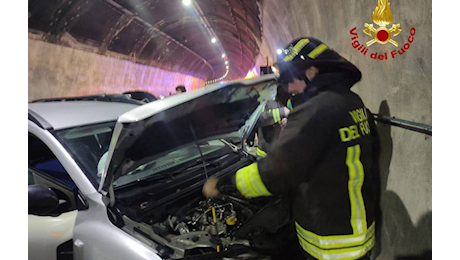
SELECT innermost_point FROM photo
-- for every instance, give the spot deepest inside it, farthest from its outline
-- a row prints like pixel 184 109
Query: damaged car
pixel 137 181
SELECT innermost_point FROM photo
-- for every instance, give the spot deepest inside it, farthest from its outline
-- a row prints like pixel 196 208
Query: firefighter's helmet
pixel 305 52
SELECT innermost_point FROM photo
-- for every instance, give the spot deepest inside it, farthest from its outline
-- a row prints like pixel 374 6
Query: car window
pixel 170 160
pixel 41 159
pixel 87 145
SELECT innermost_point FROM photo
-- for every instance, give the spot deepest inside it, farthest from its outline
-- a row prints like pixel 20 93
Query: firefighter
pixel 325 156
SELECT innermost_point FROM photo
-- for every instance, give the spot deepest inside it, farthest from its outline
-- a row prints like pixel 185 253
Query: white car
pixel 52 170
pixel 146 202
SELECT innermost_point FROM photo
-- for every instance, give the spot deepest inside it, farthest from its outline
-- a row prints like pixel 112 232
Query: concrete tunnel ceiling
pixel 160 33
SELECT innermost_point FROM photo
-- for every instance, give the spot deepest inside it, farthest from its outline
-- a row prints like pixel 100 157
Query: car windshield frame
pixel 79 151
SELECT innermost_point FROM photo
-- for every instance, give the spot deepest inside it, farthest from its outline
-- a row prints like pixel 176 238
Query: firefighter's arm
pixel 272 116
pixel 246 180
pixel 299 148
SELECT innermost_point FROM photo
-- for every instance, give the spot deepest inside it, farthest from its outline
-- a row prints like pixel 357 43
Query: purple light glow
pixel 131 76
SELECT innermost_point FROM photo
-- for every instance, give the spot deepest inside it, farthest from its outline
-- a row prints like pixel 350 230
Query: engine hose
pixel 246 211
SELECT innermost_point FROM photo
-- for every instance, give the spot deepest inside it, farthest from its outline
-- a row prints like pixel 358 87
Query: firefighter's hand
pixel 210 188
pixel 283 122
pixel 286 111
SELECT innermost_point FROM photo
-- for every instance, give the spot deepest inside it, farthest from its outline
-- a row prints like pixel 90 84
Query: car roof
pixel 68 114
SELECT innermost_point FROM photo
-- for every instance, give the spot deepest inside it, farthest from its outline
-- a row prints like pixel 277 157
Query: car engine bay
pixel 175 219
pixel 228 225
pixel 213 228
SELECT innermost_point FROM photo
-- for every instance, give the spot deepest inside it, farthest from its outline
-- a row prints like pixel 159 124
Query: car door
pixel 50 234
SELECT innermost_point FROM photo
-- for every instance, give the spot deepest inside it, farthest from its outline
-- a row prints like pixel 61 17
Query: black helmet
pixel 305 52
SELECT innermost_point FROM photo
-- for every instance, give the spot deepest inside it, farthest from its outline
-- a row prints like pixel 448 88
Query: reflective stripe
pixel 344 247
pixel 317 51
pixel 339 254
pixel 300 45
pixel 249 183
pixel 331 242
pixel 289 104
pixel 297 48
pixel 355 183
pixel 261 153
pixel 276 115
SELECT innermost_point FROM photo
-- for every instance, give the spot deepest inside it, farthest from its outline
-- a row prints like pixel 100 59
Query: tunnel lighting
pixel 218 79
pixel 223 76
pixel 213 40
pixel 223 55
pixel 279 51
pixel 187 2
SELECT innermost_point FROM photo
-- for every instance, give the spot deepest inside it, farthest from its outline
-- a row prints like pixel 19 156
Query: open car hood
pixel 152 130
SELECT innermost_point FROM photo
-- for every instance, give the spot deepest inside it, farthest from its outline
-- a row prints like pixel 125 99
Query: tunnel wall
pixel 400 87
pixel 59 71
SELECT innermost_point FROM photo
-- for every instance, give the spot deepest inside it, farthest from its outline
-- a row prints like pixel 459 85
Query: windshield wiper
pixel 213 158
pixel 232 146
pixel 143 168
pixel 155 178
pixel 159 177
pixel 235 148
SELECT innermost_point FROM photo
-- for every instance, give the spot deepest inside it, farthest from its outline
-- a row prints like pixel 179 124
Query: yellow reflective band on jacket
pixel 261 153
pixel 355 184
pixel 342 247
pixel 276 115
pixel 249 183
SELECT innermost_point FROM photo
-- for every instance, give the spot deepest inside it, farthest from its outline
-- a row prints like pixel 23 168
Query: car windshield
pixel 89 145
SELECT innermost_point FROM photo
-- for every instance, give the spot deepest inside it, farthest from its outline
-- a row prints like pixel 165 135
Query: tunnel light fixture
pixel 223 55
pixel 226 67
pixel 187 2
pixel 279 51
pixel 218 79
pixel 226 62
pixel 213 40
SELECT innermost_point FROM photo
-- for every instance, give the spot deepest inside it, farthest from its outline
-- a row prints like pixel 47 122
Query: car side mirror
pixel 42 200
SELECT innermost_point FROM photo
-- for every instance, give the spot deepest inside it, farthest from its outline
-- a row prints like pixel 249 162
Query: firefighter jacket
pixel 269 127
pixel 325 157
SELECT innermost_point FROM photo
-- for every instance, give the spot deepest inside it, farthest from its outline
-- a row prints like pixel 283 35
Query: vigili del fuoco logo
pixel 382 17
